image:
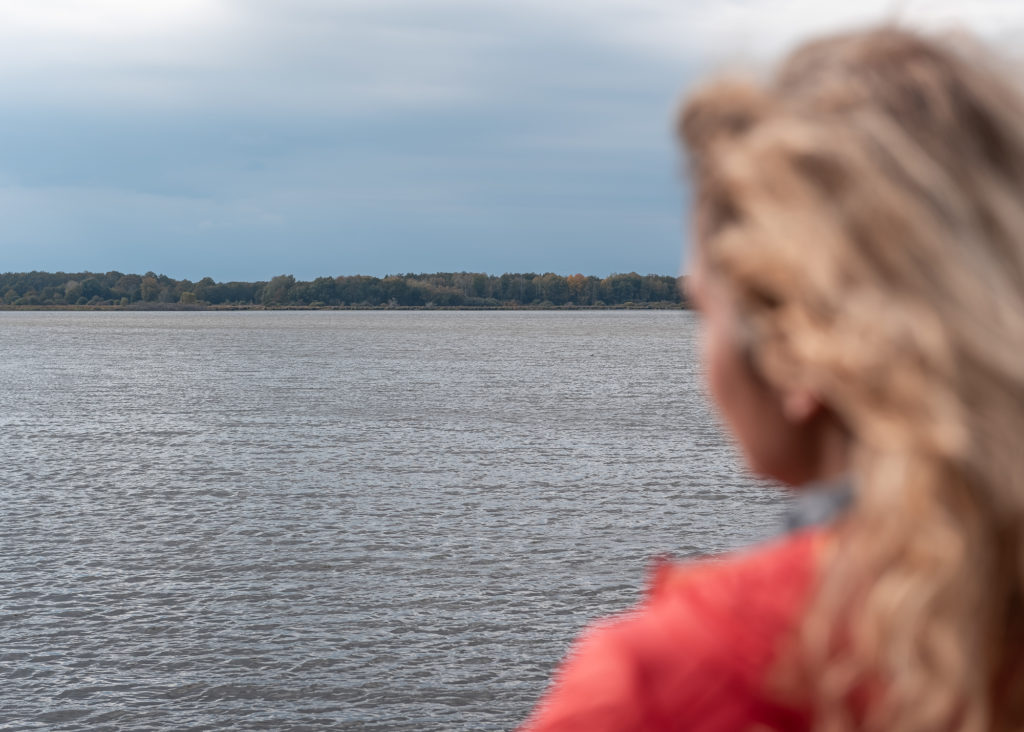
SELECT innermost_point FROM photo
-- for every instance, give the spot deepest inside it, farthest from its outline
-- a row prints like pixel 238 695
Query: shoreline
pixel 180 307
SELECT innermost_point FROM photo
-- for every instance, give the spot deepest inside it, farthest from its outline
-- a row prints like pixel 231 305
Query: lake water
pixel 338 520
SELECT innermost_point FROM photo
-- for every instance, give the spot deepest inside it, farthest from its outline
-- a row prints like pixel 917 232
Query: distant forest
pixel 444 290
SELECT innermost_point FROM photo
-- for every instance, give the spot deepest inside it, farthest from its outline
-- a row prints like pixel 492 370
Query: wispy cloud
pixel 355 56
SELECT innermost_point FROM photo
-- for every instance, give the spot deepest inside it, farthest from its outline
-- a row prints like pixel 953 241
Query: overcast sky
pixel 242 139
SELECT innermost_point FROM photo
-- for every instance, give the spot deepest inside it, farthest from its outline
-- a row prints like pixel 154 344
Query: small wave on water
pixel 338 520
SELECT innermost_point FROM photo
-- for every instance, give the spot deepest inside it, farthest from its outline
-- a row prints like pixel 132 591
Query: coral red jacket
pixel 696 654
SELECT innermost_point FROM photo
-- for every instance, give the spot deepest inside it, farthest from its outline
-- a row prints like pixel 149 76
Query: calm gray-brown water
pixel 338 520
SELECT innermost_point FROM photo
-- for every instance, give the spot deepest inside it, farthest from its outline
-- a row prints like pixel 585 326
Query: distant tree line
pixel 444 289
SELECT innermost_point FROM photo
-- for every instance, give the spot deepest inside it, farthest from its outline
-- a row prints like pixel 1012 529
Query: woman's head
pixel 864 210
pixel 863 213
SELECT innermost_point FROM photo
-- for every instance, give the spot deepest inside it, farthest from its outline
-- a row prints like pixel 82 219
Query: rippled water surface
pixel 338 520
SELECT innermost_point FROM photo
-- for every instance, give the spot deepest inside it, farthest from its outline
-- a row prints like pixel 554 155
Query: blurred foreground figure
pixel 860 271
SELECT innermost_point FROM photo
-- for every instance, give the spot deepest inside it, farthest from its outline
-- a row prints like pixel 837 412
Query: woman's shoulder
pixel 776 574
pixel 696 653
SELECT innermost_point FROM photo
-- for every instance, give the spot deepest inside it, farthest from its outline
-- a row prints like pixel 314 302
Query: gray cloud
pixel 245 138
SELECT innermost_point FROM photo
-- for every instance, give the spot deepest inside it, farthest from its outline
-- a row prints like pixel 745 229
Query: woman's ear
pixel 800 405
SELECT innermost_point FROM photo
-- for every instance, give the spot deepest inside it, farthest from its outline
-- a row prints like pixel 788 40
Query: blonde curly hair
pixel 865 208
